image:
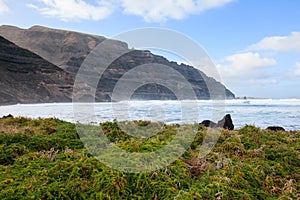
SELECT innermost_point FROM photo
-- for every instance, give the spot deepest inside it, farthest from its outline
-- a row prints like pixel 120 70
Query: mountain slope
pixel 62 48
pixel 27 78
pixel 68 50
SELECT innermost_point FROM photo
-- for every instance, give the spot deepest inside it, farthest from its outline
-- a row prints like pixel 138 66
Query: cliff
pixel 67 50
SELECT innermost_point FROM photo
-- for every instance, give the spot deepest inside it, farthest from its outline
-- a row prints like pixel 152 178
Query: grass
pixel 45 159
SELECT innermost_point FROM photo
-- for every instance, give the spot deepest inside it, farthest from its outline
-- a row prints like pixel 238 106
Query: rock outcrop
pixel 7 116
pixel 225 123
pixel 27 78
pixel 275 128
pixel 208 123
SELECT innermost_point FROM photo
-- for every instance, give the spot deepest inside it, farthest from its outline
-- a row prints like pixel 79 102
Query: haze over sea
pixel 259 112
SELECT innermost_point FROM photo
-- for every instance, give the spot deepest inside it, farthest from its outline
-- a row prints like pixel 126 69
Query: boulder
pixel 275 128
pixel 208 123
pixel 7 116
pixel 225 123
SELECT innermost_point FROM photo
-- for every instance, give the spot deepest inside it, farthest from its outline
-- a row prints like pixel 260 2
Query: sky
pixel 255 44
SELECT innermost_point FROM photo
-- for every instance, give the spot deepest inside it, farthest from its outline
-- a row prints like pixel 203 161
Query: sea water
pixel 259 112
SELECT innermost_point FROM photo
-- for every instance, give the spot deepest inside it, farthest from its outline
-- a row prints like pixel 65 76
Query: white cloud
pixel 289 43
pixel 3 7
pixel 297 70
pixel 244 72
pixel 149 10
pixel 70 10
pixel 162 10
pixel 245 67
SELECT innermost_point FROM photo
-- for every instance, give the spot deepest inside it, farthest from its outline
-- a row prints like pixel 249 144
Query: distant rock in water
pixel 225 123
pixel 68 50
pixel 275 128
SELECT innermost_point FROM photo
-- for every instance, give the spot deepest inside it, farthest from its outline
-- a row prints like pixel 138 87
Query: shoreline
pixel 136 100
pixel 141 120
pixel 260 113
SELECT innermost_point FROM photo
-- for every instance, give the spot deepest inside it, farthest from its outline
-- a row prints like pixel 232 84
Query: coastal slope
pixel 46 159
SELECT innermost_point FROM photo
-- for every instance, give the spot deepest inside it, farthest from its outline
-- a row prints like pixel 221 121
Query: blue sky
pixel 255 44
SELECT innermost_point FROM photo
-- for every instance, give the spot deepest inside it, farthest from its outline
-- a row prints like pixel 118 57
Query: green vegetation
pixel 45 159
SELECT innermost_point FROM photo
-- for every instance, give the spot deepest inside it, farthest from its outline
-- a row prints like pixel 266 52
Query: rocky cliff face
pixel 27 78
pixel 68 50
pixel 198 80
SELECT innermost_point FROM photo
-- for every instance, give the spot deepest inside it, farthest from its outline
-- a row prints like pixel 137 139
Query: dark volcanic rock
pixel 27 78
pixel 68 50
pixel 7 116
pixel 225 123
pixel 208 123
pixel 275 128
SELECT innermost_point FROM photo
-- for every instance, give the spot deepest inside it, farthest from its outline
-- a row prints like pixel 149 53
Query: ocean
pixel 259 112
